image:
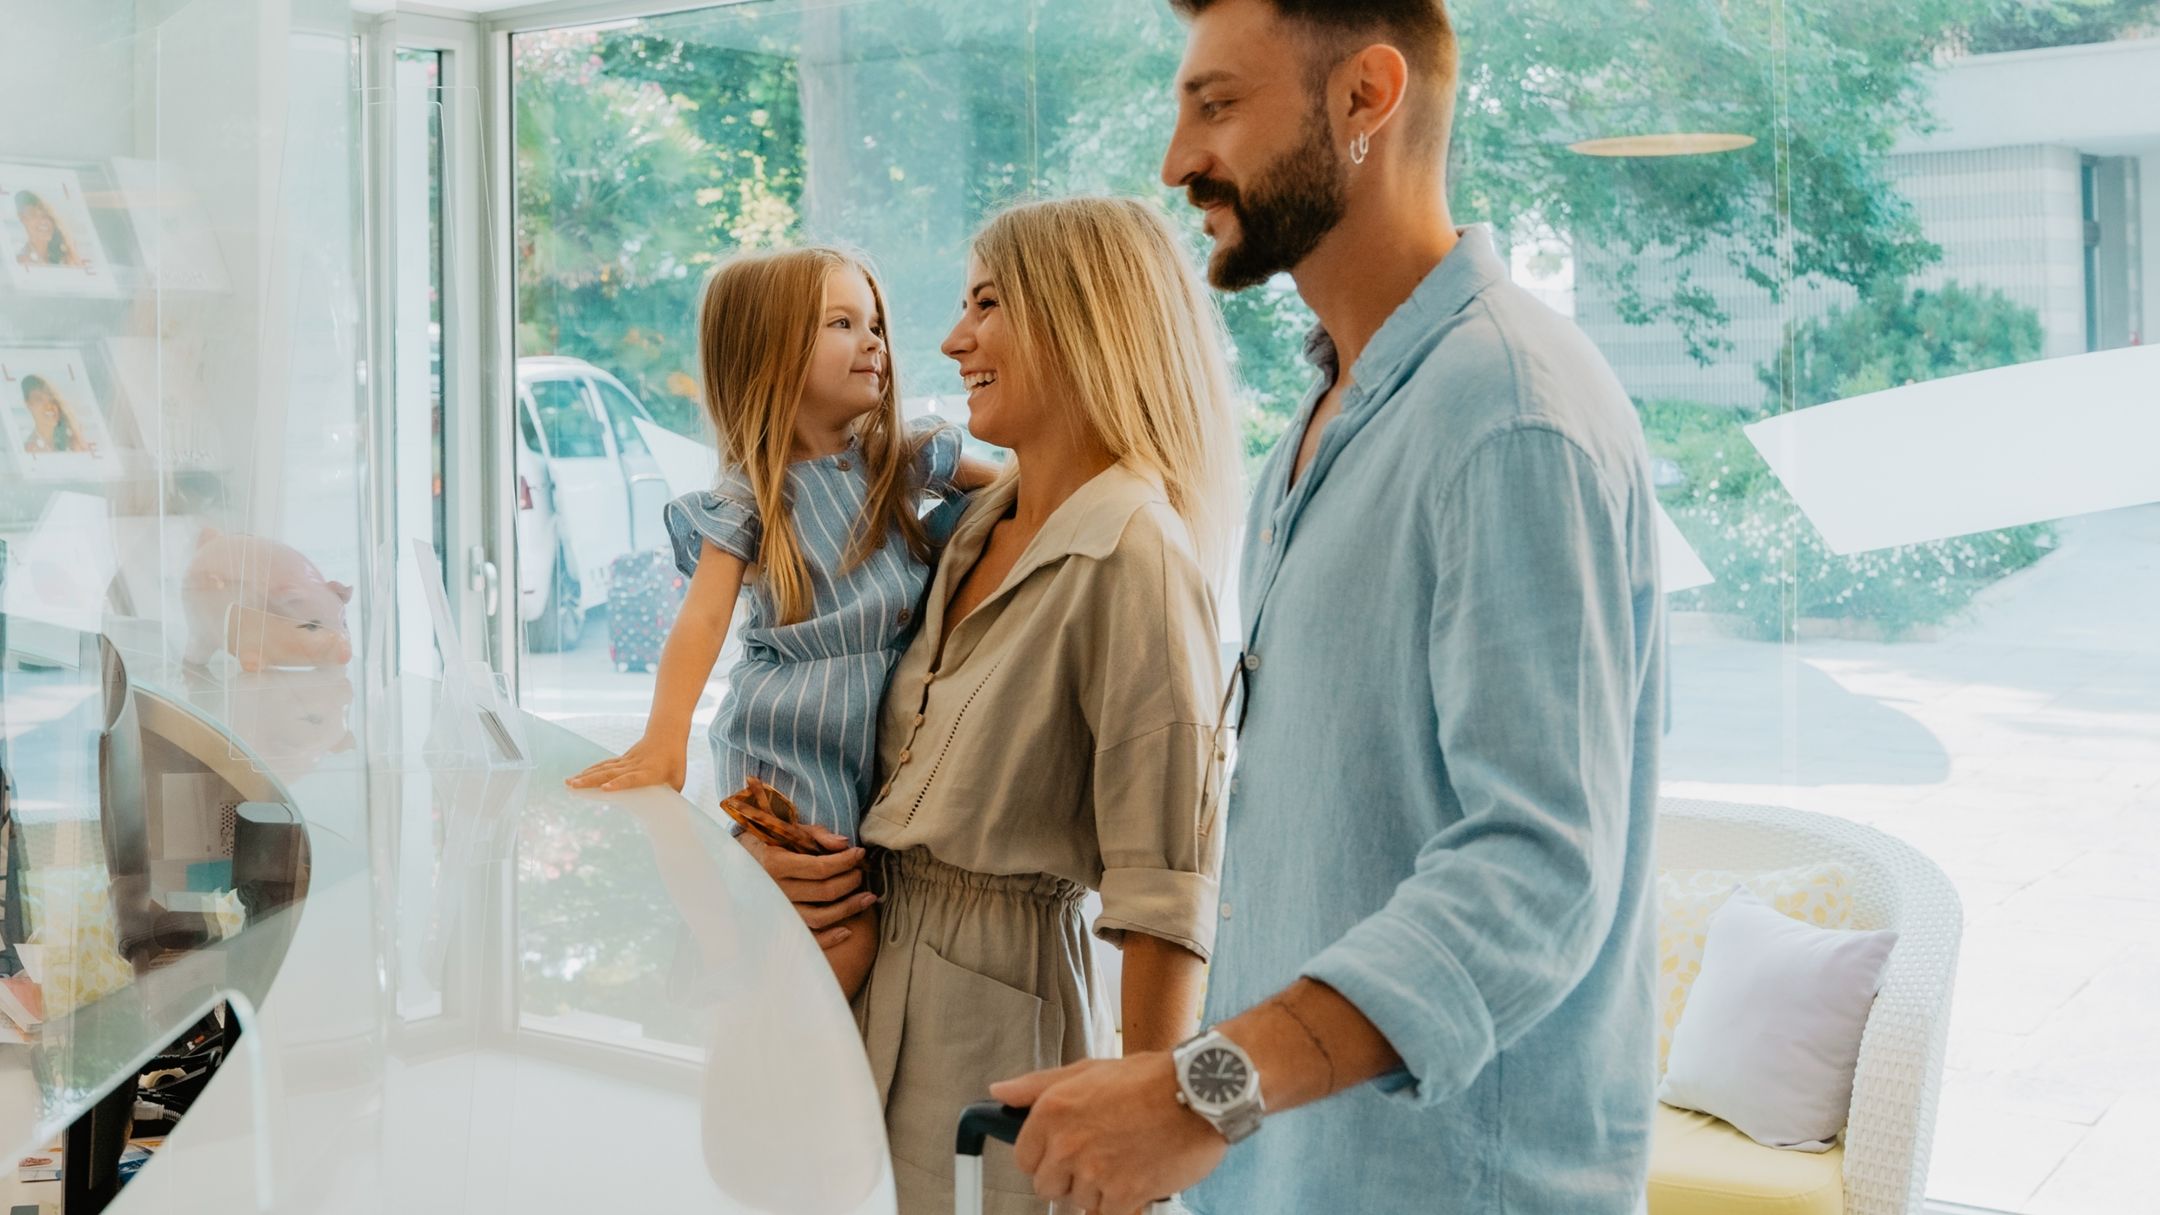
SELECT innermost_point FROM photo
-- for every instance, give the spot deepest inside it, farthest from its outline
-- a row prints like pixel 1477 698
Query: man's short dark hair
pixel 1420 29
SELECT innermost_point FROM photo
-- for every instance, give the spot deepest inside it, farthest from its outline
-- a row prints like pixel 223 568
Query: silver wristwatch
pixel 1216 1080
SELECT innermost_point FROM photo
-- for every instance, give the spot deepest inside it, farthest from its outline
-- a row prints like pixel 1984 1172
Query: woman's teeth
pixel 981 379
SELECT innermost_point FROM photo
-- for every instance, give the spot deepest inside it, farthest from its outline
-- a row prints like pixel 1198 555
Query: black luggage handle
pixel 986 1120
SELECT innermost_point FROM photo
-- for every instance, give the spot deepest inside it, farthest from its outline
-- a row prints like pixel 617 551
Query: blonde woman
pixel 1052 728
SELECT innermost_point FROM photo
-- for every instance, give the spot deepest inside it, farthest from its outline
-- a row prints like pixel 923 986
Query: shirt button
pixel 1252 662
pixel 920 719
pixel 1267 536
pixel 906 756
pixel 1226 909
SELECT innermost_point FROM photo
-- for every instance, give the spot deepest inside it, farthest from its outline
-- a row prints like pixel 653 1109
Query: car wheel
pixel 562 621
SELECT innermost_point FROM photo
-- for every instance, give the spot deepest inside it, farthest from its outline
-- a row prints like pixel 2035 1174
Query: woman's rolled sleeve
pixel 731 525
pixel 1160 857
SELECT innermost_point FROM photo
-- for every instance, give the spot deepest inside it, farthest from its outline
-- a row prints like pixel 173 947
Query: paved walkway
pixel 2022 752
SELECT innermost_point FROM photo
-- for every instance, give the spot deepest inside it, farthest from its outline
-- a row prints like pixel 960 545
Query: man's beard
pixel 1291 204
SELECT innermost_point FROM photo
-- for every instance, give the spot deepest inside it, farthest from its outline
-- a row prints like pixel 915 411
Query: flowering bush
pixel 1771 566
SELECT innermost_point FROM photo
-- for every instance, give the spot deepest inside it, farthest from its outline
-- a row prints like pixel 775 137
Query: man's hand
pixel 1108 1135
pixel 825 889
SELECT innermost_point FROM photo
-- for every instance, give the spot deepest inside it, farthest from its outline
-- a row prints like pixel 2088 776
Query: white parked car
pixel 588 491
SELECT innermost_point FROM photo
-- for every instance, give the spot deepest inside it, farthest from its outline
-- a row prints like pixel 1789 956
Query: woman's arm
pixel 975 473
pixel 1163 984
pixel 686 662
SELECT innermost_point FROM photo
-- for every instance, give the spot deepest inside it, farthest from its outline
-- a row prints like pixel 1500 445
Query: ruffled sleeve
pixel 937 460
pixel 730 523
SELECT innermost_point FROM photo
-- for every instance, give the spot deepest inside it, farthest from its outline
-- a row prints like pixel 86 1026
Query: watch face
pixel 1217 1076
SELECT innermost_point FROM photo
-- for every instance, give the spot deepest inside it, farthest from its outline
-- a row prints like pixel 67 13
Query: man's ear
pixel 1379 82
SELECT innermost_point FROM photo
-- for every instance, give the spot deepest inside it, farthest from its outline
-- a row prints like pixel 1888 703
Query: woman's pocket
pixel 962 1032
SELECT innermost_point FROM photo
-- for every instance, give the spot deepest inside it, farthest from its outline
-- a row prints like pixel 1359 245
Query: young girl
pixel 816 516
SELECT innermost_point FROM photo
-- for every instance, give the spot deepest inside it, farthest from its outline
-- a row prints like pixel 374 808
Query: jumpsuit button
pixel 1252 662
pixel 906 614
pixel 846 465
pixel 920 719
pixel 906 756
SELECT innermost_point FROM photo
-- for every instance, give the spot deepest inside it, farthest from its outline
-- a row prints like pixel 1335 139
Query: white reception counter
pixel 495 994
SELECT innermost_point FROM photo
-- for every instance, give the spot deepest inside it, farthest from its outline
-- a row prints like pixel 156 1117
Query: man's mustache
pixel 1206 192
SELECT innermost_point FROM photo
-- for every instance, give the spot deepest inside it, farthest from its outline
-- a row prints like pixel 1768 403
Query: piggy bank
pixel 291 719
pixel 264 603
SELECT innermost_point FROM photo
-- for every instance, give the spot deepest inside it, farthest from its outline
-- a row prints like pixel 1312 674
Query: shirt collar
pixel 1088 524
pixel 1470 267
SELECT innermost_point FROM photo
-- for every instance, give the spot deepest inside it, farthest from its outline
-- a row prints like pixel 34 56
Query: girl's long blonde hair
pixel 757 329
pixel 1104 304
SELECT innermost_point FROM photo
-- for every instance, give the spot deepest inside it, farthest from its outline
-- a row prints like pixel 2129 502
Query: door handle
pixel 483 577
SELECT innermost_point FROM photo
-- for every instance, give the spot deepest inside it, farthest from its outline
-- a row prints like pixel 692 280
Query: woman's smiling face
pixel 44 408
pixel 999 409
pixel 38 222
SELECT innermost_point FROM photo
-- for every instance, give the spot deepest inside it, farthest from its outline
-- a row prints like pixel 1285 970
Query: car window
pixel 622 414
pixel 525 426
pixel 572 431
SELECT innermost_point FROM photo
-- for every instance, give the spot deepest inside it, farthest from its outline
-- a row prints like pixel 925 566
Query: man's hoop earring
pixel 1359 146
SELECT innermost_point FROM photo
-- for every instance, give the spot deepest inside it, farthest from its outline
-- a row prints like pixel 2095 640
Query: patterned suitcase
pixel 645 592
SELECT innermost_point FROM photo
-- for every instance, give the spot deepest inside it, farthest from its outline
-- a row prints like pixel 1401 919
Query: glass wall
pixel 1878 283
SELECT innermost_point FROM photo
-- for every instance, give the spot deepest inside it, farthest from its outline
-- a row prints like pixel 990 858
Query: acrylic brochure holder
pixel 474 716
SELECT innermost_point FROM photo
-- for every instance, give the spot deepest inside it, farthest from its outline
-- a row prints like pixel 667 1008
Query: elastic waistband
pixel 917 867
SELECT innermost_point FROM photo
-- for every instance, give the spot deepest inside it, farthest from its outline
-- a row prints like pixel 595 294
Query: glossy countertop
pixel 497 994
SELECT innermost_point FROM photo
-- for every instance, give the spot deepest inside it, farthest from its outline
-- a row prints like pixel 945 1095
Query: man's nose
pixel 1181 161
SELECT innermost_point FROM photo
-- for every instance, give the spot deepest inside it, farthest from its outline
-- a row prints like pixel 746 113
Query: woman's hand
pixel 826 890
pixel 648 762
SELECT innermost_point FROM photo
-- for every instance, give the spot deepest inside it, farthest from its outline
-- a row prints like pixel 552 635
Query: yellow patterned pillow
pixel 1814 894
pixel 75 935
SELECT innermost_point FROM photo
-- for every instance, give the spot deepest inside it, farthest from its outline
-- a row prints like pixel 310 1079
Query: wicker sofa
pixel 1881 1165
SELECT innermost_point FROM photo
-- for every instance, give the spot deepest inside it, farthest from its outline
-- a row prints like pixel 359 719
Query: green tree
pixel 607 248
pixel 2023 25
pixel 899 125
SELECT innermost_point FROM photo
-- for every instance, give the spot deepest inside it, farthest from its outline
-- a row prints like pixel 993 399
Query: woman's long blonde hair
pixel 1105 306
pixel 757 329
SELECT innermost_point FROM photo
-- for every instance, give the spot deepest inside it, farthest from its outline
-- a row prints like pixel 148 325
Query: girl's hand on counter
pixel 647 762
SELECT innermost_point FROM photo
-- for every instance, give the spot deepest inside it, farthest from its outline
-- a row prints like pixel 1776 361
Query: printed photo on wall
pixel 172 226
pixel 46 237
pixel 54 426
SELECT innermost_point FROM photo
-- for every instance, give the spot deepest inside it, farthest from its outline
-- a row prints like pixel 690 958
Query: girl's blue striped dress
pixel 801 708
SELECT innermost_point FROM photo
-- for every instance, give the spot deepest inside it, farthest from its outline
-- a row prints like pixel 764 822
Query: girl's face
pixel 847 365
pixel 999 408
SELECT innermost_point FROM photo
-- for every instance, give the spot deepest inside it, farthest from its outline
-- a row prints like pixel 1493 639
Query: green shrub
pixel 1891 337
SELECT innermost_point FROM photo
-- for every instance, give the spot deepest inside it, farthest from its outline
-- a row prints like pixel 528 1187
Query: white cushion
pixel 1687 898
pixel 1771 1032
